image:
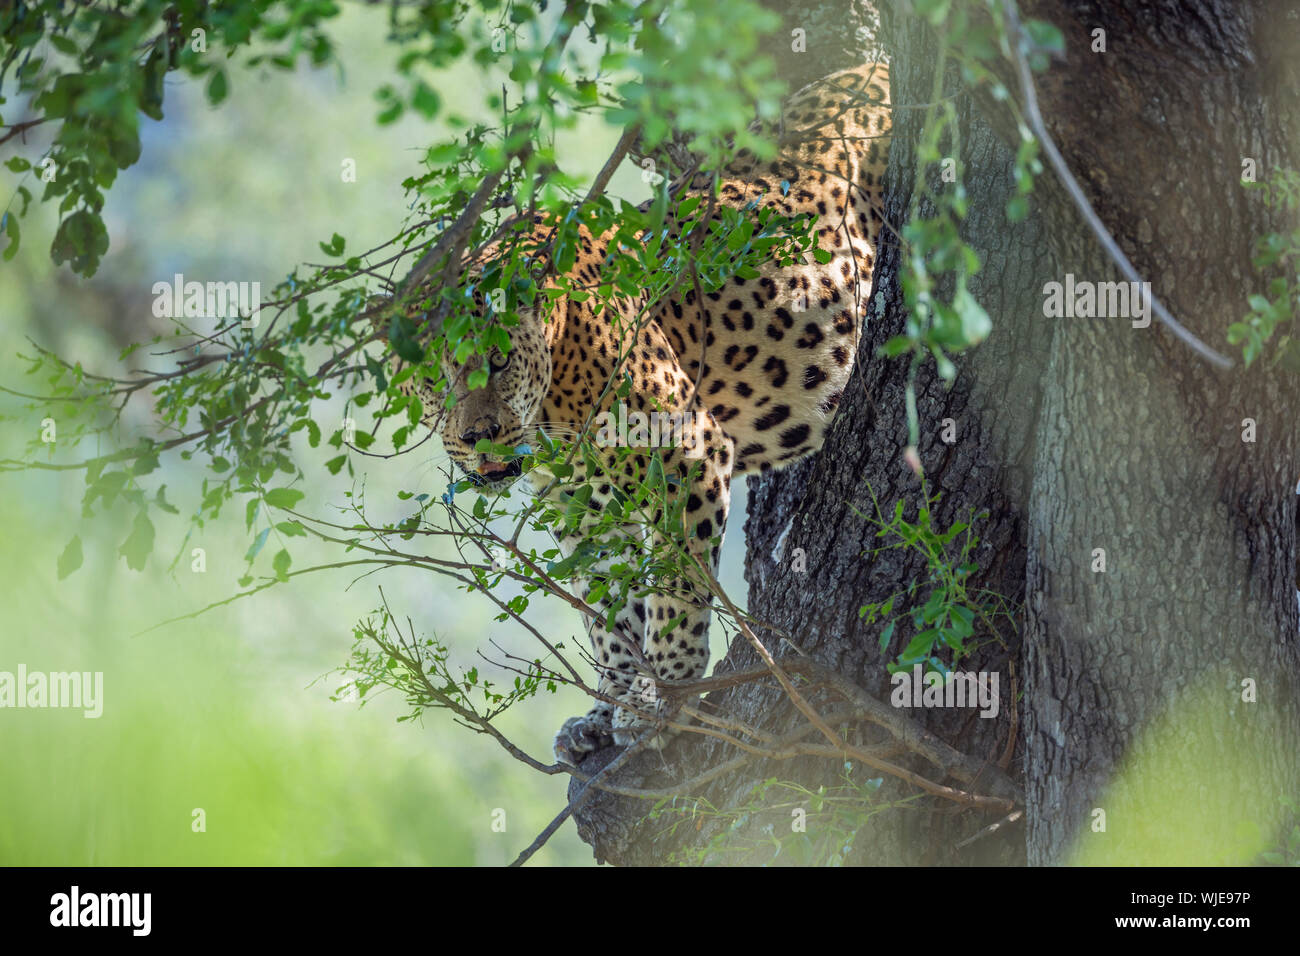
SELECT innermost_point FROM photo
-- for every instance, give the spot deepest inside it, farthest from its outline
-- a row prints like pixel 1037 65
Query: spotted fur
pixel 772 356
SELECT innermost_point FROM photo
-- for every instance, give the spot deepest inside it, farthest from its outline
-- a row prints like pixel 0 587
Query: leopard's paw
pixel 580 736
pixel 630 724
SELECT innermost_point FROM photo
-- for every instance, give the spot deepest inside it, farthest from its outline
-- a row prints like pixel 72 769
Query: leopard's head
pixel 505 411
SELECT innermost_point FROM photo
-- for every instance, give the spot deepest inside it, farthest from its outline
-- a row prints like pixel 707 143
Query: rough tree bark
pixel 1072 435
pixel 1140 451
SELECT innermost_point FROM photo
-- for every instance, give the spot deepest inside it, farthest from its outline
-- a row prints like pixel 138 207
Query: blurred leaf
pixel 284 497
pixel 80 239
pixel 71 557
pixel 138 545
pixel 217 87
pixel 257 544
pixel 280 564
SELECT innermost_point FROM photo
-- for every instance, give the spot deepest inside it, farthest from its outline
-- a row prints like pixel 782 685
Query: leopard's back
pixel 777 351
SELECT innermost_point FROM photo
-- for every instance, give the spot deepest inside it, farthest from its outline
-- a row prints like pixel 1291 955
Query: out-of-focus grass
pixel 195 717
pixel 123 789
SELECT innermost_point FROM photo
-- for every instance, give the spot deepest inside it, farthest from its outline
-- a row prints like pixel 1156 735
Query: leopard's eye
pixel 497 360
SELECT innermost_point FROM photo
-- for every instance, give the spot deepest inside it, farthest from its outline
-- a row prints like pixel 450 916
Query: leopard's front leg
pixel 613 649
pixel 676 637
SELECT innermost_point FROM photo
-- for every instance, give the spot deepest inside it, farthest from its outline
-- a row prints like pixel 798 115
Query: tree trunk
pixel 1073 435
pixel 1134 676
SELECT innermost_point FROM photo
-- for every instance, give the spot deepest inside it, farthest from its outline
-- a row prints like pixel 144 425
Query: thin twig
pixel 1009 819
pixel 611 165
pixel 20 129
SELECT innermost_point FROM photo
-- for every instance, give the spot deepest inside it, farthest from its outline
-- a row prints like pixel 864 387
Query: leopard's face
pixel 504 411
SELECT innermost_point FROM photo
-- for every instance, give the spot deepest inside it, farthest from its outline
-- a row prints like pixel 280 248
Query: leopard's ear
pixel 549 315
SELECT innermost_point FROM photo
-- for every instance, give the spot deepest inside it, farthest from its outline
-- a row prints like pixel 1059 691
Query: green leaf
pixel 81 239
pixel 963 620
pixel 139 542
pixel 485 446
pixel 934 607
pixel 918 649
pixel 1046 36
pixel 284 497
pixel 401 336
pixel 256 546
pixel 975 322
pixel 280 564
pixel 426 100
pixel 153 74
pixel 896 346
pixel 1253 347
pixel 144 464
pixel 218 87
pixel 292 529
pixel 71 557
pixel 62 44
pixel 390 113
pixel 160 501
pixel 10 228
pixel 577 505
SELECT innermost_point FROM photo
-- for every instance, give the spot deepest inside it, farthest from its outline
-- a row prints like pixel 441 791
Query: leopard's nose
pixel 473 435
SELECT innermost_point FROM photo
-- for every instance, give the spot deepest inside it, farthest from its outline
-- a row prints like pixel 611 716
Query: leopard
pixel 753 371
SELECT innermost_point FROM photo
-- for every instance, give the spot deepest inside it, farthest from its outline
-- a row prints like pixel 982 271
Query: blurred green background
pixel 222 712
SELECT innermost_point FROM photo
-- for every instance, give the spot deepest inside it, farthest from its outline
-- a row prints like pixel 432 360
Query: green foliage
pixel 673 65
pixel 419 670
pixel 1277 259
pixel 94 70
pixel 249 390
pixel 948 615
pixel 249 399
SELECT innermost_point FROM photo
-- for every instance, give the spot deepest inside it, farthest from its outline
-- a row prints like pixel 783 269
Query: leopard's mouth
pixel 495 474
